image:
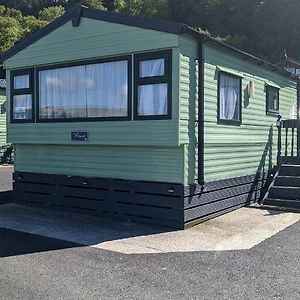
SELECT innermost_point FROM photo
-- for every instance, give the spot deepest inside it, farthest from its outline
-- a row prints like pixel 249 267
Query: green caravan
pixel 141 119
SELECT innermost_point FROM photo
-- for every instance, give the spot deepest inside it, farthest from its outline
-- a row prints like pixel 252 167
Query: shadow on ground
pixel 59 227
pixel 18 243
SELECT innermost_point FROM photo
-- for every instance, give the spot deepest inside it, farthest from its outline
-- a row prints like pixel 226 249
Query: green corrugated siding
pixel 230 151
pixel 141 150
pixel 91 39
pixel 253 144
pixel 188 112
pixel 136 163
pixel 2 117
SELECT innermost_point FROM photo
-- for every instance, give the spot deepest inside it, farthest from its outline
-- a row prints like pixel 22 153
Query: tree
pixel 51 13
pixel 143 7
pixel 14 26
pixel 262 27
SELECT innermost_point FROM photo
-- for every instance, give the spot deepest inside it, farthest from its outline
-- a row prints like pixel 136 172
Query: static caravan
pixel 141 119
pixel 2 112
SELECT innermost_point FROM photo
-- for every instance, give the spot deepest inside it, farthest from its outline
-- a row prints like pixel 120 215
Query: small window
pixel 21 96
pixel 230 98
pixel 153 86
pixel 272 94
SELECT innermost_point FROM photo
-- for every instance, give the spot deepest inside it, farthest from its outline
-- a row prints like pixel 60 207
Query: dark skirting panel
pixel 166 204
pixel 222 196
pixel 147 202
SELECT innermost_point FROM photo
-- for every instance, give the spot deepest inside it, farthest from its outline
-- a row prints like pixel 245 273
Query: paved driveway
pixel 33 267
pixel 161 264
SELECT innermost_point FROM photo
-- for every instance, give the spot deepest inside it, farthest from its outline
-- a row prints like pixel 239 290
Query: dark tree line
pixel 262 27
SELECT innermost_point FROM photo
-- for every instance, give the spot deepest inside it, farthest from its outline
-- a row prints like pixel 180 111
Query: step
pixel 289 181
pixel 289 170
pixel 293 204
pixel 283 192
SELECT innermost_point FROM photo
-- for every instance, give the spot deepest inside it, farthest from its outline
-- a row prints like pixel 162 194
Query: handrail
pixel 289 149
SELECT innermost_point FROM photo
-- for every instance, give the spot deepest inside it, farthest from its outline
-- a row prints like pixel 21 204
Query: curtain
pixel 22 107
pixel 152 98
pixel 96 90
pixel 107 89
pixel 62 93
pixel 154 67
pixel 229 98
pixel 21 82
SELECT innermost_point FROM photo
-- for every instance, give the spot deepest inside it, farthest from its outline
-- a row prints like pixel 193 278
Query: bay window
pixel 21 96
pixel 95 90
pixel 153 86
pixel 90 91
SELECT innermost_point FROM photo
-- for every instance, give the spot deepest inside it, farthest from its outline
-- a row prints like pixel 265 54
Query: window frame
pixel 272 112
pixel 20 92
pixel 128 58
pixel 226 121
pixel 165 79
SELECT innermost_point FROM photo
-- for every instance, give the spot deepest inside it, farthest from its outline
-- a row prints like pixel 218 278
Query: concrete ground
pixel 36 267
pixel 238 230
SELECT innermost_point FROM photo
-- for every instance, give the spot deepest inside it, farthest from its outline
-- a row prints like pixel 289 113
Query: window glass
pixel 230 97
pixel 62 93
pixel 21 96
pixel 151 68
pixel 107 89
pixel 272 99
pixel 21 82
pixel 22 107
pixel 96 90
pixel 153 80
pixel 152 99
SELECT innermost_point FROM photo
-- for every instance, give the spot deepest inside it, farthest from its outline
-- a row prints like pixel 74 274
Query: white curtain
pixel 154 67
pixel 21 82
pixel 22 107
pixel 152 98
pixel 62 93
pixel 107 89
pixel 98 90
pixel 229 97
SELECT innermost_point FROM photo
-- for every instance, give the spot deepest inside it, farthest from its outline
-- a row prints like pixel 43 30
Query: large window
pixel 153 86
pixel 272 94
pixel 94 91
pixel 229 98
pixel 21 96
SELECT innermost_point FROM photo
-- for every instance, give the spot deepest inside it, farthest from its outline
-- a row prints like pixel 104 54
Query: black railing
pixel 288 142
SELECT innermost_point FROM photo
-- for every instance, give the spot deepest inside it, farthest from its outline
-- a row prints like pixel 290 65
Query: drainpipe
pixel 298 117
pixel 298 100
pixel 201 111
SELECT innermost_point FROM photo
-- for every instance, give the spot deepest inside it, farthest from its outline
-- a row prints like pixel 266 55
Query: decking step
pixel 289 170
pixel 284 192
pixel 289 181
pixel 287 203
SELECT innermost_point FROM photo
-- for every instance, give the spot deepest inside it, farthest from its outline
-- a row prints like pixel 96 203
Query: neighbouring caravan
pixel 135 118
pixel 2 112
